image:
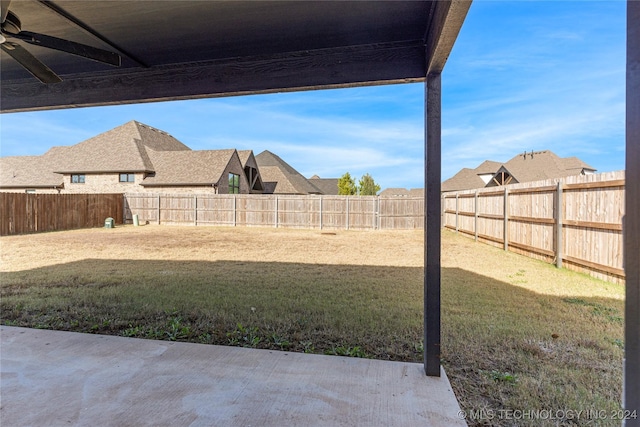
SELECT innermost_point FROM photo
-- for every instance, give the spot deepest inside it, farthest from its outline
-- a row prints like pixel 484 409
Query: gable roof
pixel 121 149
pixel 525 167
pixel 280 178
pixel 541 165
pixel 202 167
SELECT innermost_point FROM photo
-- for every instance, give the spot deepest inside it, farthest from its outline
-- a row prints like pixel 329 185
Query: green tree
pixel 346 185
pixel 368 186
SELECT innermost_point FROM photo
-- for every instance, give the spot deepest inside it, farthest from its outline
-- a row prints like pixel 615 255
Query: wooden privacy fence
pixel 314 212
pixel 22 213
pixel 575 222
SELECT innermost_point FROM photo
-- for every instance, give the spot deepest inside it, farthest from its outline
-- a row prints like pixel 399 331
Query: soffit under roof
pixel 192 49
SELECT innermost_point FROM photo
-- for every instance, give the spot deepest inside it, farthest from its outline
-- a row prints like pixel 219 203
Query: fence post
pixel 559 231
pixel 347 212
pixel 158 209
pixel 321 198
pixel 475 222
pixel 195 210
pixel 375 221
pixel 234 210
pixel 505 232
pixel 457 212
pixel 276 213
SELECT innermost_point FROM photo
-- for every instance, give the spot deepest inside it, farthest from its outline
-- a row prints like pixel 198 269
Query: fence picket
pixel 22 213
pixel 574 221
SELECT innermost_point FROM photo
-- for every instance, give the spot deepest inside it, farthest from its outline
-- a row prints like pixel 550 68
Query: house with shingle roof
pixel 30 173
pixel 218 171
pixel 280 178
pixel 133 157
pixel 525 167
pixel 538 166
pixel 402 192
pixel 328 186
pixel 394 192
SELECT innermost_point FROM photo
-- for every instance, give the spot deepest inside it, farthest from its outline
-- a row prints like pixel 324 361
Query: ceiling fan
pixel 11 29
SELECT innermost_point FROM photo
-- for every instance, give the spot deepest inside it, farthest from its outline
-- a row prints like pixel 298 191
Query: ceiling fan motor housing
pixel 11 24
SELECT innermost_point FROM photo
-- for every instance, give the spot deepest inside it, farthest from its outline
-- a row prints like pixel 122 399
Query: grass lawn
pixel 517 334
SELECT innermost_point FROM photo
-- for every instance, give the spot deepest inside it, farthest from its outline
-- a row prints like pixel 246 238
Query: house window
pixel 234 183
pixel 127 177
pixel 77 179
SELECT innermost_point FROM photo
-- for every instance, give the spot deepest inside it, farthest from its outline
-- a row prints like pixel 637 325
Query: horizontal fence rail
pixel 287 211
pixel 22 213
pixel 574 222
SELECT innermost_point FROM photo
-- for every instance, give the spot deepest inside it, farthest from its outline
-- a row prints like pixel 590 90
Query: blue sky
pixel 525 75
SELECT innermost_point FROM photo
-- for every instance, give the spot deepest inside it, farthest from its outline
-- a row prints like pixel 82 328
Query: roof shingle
pixel 122 149
pixel 202 167
pixel 287 180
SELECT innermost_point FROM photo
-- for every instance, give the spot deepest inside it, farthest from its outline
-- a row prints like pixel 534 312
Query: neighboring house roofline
pixel 279 177
pixel 524 167
pixel 189 168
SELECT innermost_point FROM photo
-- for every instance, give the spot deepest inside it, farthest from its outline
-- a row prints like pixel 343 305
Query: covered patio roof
pixel 192 49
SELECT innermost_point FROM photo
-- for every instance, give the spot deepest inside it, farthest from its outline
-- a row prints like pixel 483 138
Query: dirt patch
pixel 211 244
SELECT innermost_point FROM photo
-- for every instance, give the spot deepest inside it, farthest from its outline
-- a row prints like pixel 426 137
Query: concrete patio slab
pixel 54 378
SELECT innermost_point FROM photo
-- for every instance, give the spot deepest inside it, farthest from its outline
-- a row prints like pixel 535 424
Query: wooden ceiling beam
pixel 445 23
pixel 385 63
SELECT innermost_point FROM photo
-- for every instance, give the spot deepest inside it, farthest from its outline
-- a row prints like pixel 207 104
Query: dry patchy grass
pixel 517 333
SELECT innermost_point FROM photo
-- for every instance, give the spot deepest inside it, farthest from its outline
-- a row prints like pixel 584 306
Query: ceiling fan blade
pixel 4 9
pixel 67 46
pixel 30 63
